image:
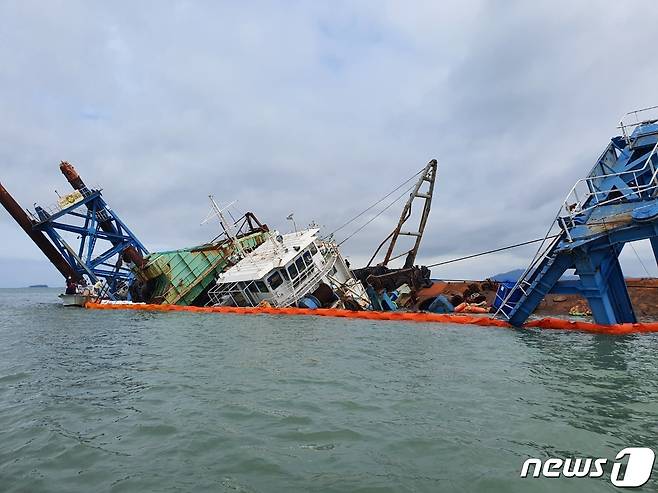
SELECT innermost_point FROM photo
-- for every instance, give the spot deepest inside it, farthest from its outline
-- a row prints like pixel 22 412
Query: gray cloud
pixel 319 109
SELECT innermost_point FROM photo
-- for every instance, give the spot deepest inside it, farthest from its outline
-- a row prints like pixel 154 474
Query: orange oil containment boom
pixel 482 321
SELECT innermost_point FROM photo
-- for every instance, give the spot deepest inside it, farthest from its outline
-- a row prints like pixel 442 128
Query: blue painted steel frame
pixel 94 210
pixel 596 238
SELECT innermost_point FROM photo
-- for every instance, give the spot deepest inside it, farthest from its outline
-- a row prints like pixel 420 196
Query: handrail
pixel 309 276
pixel 539 256
pixel 576 208
pixel 624 126
pixel 330 261
pixel 570 211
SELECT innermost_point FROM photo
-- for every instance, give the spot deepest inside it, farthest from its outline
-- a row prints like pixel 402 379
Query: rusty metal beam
pixel 428 175
pixel 37 237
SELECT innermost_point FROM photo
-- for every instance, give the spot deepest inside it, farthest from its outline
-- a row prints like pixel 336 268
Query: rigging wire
pixel 375 204
pixel 495 250
pixel 379 213
pixel 605 224
pixel 640 260
pixel 459 259
pixel 488 252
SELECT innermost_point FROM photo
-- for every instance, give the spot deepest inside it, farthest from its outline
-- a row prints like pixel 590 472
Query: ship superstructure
pixel 290 269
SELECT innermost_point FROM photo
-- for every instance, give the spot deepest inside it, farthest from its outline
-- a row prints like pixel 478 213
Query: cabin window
pixel 240 299
pixel 308 258
pixel 244 295
pixel 314 249
pixel 261 286
pixel 252 289
pixel 250 296
pixel 275 280
pixel 292 270
pixel 300 264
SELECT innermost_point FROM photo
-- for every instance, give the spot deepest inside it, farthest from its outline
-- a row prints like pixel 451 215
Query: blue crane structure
pixel 615 204
pixel 106 248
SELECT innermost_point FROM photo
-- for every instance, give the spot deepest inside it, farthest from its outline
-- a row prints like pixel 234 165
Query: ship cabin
pixel 281 271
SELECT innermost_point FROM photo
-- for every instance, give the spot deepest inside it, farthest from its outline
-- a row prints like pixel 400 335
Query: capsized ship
pixel 90 245
pixel 246 264
pixel 293 269
pixel 184 276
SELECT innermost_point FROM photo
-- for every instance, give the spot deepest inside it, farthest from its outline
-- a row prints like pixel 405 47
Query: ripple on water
pixel 14 378
pixel 338 436
pixel 95 401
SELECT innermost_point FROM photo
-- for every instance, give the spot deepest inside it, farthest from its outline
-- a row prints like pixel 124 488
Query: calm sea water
pixel 125 401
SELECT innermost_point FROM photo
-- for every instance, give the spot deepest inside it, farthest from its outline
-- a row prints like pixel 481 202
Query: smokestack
pixel 37 237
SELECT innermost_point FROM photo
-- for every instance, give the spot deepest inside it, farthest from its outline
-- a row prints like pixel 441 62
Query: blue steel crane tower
pixel 106 248
pixel 615 204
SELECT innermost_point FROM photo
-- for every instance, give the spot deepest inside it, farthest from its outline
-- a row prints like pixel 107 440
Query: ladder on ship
pixel 615 204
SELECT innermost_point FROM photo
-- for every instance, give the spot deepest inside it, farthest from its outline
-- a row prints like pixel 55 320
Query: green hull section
pixel 181 277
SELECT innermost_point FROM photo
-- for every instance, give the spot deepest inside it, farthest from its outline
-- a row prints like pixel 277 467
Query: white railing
pixel 297 287
pixel 634 119
pixel 52 209
pixel 523 283
pixel 585 190
pixel 219 294
pixel 60 205
pixel 301 286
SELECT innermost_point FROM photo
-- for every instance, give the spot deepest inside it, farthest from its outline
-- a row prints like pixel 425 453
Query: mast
pixel 427 175
pixel 226 226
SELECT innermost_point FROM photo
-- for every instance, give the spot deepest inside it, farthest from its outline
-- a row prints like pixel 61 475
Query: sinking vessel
pixel 245 265
pixel 293 269
pixel 382 280
pixel 76 299
pixel 184 276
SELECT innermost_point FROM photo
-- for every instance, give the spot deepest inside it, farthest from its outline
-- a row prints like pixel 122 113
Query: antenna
pixel 291 217
pixel 226 225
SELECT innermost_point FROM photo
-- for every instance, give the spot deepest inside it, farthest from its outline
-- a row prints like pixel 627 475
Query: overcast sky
pixel 318 109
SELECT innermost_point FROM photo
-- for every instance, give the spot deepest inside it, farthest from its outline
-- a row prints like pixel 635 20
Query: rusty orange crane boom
pixel 39 239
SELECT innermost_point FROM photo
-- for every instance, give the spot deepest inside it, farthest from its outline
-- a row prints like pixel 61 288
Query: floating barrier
pixel 620 329
pixel 482 321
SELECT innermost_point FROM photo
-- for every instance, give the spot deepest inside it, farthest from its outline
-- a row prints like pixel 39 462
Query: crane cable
pixel 374 205
pixel 495 250
pixel 640 260
pixel 378 214
pixel 488 252
pixel 459 259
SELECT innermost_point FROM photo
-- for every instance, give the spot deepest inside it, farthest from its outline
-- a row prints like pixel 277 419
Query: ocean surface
pixel 127 401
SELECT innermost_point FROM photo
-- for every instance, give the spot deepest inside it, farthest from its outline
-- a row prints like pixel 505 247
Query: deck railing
pixel 297 287
pixel 634 119
pixel 584 197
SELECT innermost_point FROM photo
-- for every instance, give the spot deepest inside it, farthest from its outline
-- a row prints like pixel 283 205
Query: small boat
pixel 293 269
pixel 76 299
